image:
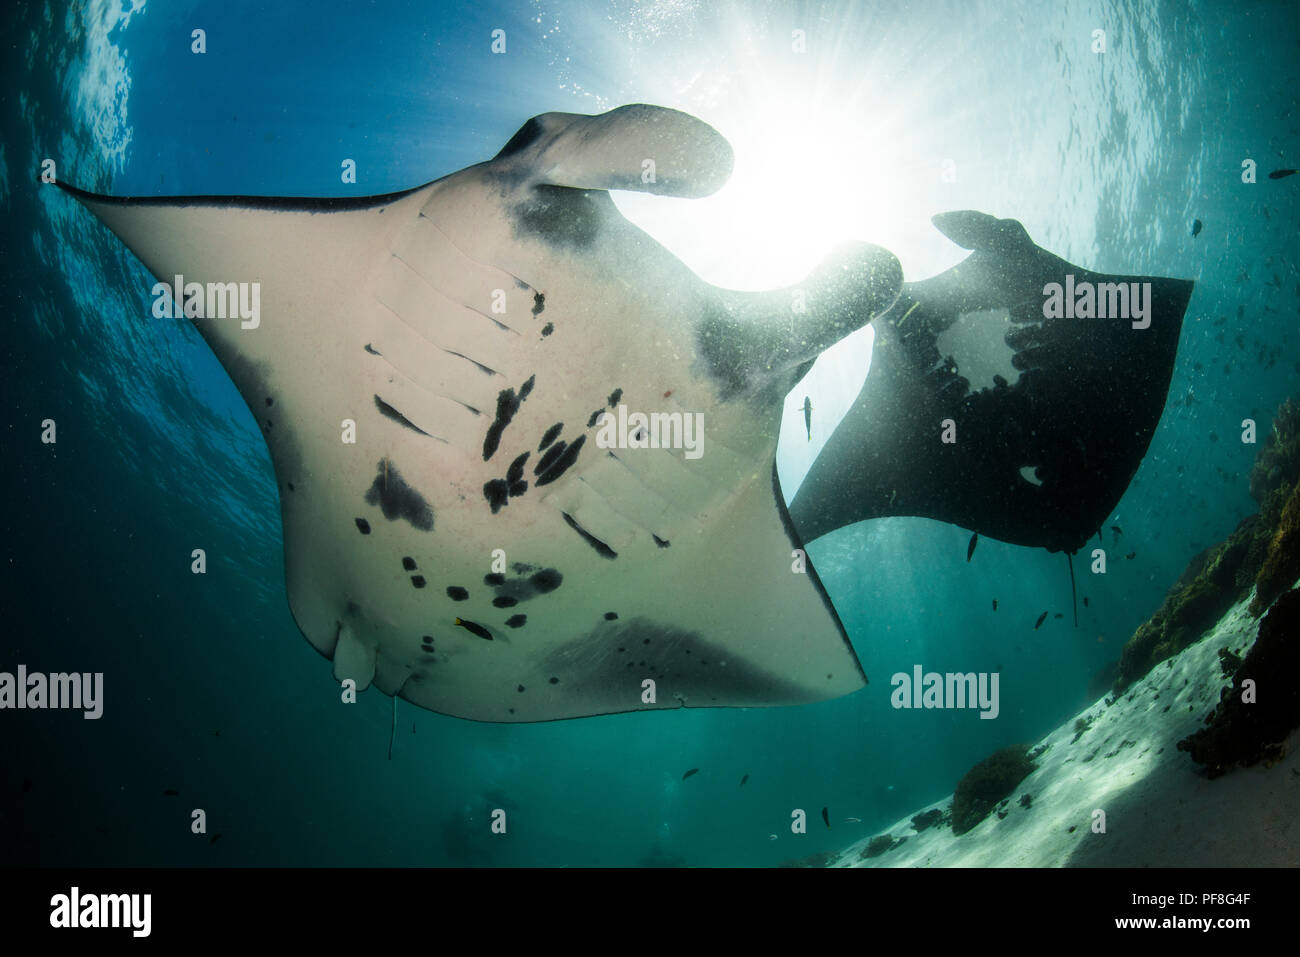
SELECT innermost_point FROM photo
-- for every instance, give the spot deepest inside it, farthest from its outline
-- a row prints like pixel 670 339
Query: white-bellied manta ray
pixel 474 330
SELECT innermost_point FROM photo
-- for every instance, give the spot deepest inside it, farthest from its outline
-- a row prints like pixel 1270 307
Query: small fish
pixel 1117 530
pixel 853 820
pixel 475 629
pixel 1085 601
pixel 1058 615
pixel 690 772
pixel 995 604
pixel 171 793
pixel 215 838
pixel 743 780
pixel 807 415
pixel 1196 228
pixel 1131 555
pixel 771 837
pixel 1282 173
pixel 1041 618
pixel 970 549
pixel 826 816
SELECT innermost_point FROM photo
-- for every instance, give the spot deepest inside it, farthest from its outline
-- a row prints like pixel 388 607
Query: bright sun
pixel 803 182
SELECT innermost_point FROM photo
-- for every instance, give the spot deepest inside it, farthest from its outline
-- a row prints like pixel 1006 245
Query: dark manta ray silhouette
pixel 1040 460
pixel 432 370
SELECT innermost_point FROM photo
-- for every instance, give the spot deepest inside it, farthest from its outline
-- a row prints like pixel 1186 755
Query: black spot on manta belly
pixel 547 580
pixel 612 616
pixel 511 591
pixel 507 405
pixel 614 397
pixel 497 493
pixel 363 526
pixel 397 499
pixel 553 453
pixel 517 621
pixel 418 581
pixel 408 563
pixel 662 543
pixel 516 472
pixel 550 436
pixel 456 593
pixel 372 351
pixel 560 463
pixel 539 303
pixel 548 329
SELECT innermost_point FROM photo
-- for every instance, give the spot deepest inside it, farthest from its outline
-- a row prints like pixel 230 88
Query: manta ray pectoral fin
pixel 762 343
pixel 635 147
pixel 1076 406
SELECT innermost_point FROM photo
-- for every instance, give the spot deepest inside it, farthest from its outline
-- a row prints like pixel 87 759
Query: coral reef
pixel 1229 661
pixel 1080 726
pixel 1281 564
pixel 931 818
pixel 1238 732
pixel 1278 462
pixel 1263 550
pixel 986 784
pixel 1207 589
pixel 880 844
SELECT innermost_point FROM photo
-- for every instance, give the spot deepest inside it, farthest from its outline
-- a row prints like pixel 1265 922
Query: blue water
pixel 211 689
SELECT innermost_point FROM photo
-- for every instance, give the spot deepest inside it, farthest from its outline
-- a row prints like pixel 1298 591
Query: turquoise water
pixel 211 689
